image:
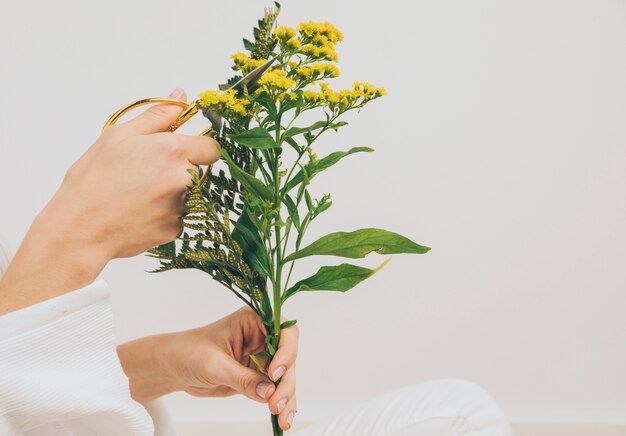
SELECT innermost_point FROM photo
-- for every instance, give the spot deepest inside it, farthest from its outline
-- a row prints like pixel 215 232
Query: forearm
pixel 52 260
pixel 146 365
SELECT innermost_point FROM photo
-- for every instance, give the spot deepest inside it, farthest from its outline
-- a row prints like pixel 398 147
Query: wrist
pixel 53 259
pixel 147 364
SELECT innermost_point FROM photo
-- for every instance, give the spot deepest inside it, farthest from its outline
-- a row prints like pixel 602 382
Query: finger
pixel 246 381
pixel 156 119
pixel 200 150
pixel 285 419
pixel 285 392
pixel 286 354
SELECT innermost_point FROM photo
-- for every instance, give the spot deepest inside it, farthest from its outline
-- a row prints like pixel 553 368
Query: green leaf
pixel 334 278
pixel 271 349
pixel 288 324
pixel 258 138
pixel 293 144
pixel 323 164
pixel 258 362
pixel 263 355
pixel 248 45
pixel 248 238
pixel 358 243
pixel 323 206
pixel 293 211
pixel 251 183
pixel 309 201
pixel 337 125
pixel 299 130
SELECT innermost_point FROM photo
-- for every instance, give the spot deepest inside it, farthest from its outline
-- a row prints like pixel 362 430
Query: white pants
pixel 434 408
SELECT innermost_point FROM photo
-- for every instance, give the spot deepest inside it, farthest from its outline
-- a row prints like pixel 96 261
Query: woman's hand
pixel 128 190
pixel 123 196
pixel 213 361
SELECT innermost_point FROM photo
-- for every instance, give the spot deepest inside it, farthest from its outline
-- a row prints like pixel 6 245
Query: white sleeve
pixel 59 370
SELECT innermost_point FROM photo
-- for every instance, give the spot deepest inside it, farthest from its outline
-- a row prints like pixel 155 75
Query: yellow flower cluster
pixel 226 100
pixel 320 40
pixel 317 40
pixel 321 33
pixel 294 43
pixel 360 94
pixel 284 95
pixel 285 32
pixel 287 36
pixel 316 71
pixel 244 63
pixel 276 78
pixel 367 90
pixel 326 52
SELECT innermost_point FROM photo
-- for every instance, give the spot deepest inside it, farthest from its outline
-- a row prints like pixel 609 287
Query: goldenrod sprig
pixel 240 225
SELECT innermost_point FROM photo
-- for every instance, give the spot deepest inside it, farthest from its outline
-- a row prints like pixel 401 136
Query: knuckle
pixel 111 132
pixel 211 361
pixel 114 128
pixel 69 174
pixel 161 111
pixel 246 382
pixel 172 145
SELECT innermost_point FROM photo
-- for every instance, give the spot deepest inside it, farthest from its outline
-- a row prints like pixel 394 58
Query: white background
pixel 502 144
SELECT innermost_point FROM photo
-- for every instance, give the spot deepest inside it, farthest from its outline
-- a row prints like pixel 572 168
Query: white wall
pixel 502 145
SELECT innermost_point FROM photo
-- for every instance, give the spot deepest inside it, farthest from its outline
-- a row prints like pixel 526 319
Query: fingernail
pixel 281 404
pixel 278 373
pixel 177 93
pixel 290 418
pixel 262 388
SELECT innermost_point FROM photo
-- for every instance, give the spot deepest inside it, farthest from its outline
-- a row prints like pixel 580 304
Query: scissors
pixel 249 82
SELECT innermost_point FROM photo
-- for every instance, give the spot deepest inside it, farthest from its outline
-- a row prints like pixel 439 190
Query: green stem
pixel 278 266
pixel 259 164
pixel 277 431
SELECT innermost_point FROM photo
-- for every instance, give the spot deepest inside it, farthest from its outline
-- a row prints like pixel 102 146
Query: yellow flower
pixel 294 43
pixel 244 63
pixel 368 91
pixel 321 40
pixel 311 96
pixel 316 71
pixel 328 94
pixel 276 79
pixel 313 29
pixel 327 52
pixel 210 98
pixel 360 94
pixel 226 100
pixel 285 32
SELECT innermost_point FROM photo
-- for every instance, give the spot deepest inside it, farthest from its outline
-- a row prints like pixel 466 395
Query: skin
pixel 213 361
pixel 122 197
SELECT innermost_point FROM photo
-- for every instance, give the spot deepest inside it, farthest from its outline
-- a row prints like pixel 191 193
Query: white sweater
pixel 60 374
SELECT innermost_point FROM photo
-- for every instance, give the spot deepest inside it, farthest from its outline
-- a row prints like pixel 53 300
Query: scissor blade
pixel 250 79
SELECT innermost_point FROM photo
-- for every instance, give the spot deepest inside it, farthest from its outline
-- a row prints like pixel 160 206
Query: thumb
pixel 249 382
pixel 158 118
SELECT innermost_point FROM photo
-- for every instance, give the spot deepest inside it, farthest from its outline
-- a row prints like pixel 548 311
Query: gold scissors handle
pixel 189 110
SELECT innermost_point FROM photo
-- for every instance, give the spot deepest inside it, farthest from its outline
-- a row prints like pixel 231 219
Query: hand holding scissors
pixel 249 82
